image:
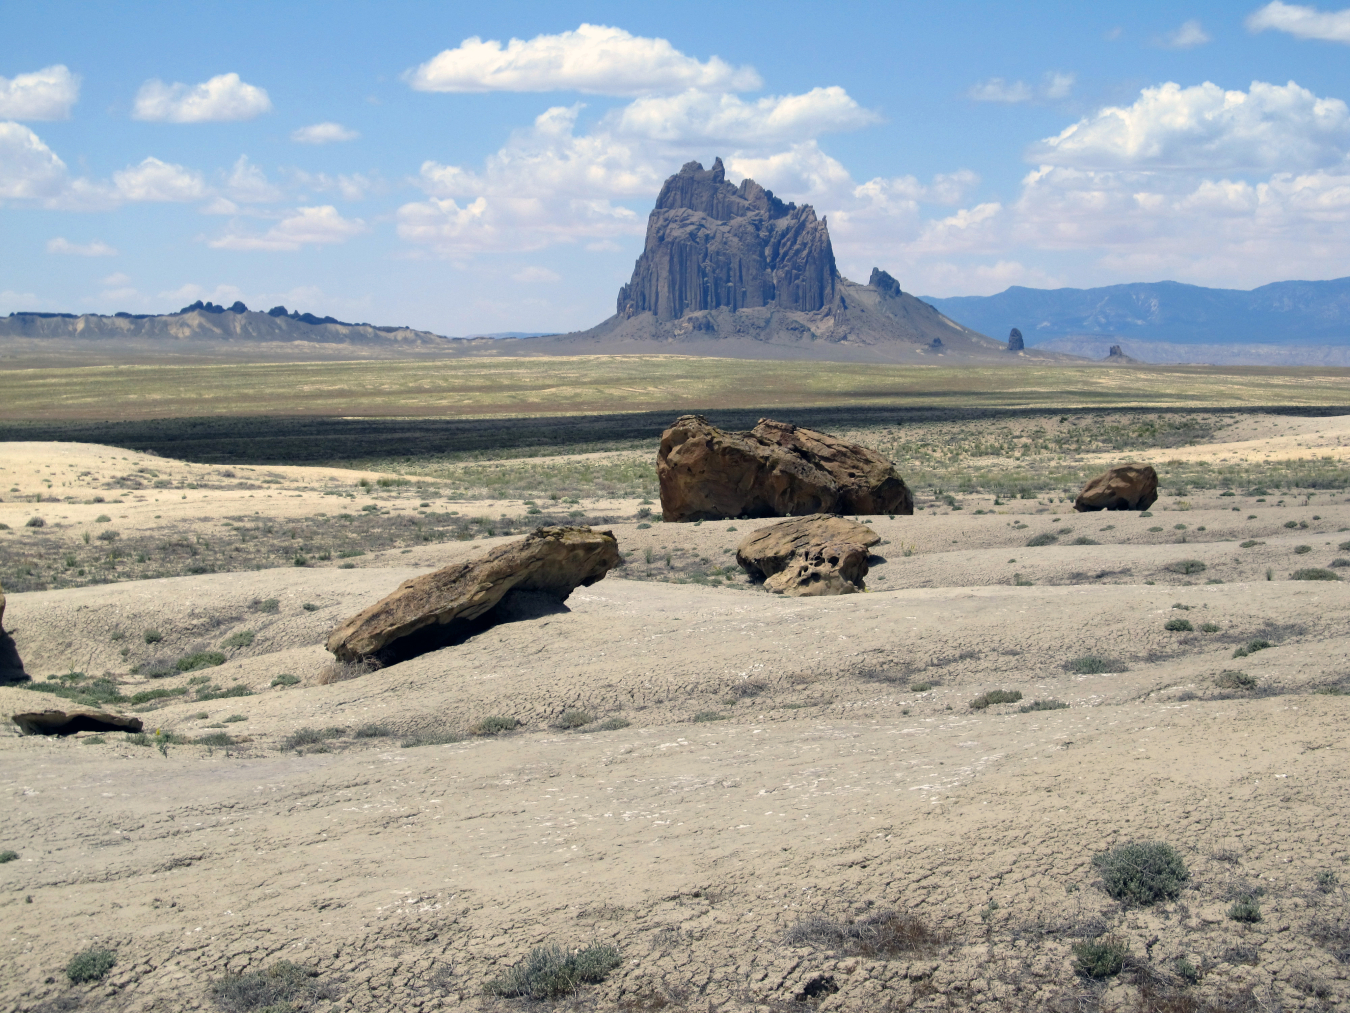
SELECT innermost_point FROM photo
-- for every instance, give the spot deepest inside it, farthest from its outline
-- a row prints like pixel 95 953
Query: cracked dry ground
pixel 832 787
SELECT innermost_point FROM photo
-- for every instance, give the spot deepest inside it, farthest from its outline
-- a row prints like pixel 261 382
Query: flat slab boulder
pixel 774 470
pixel 1125 487
pixel 553 561
pixel 807 556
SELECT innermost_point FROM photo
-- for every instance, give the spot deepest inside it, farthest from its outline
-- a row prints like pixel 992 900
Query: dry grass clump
pixel 1229 679
pixel 1101 957
pixel 1094 664
pixel 284 986
pixel 995 696
pixel 551 972
pixel 310 737
pixel 574 718
pixel 1042 705
pixel 879 936
pixel 341 671
pixel 1314 573
pixel 609 725
pixel 495 724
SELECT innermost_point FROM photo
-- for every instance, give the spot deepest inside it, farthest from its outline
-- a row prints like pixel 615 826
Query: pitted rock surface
pixel 553 561
pixel 1125 487
pixel 774 470
pixel 817 555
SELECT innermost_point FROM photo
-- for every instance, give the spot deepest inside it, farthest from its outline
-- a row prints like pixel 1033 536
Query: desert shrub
pixel 876 937
pixel 267 605
pixel 1085 540
pixel 920 687
pixel 1043 705
pixel 152 636
pixel 1245 909
pixel 243 638
pixel 705 716
pixel 495 724
pixel 1100 958
pixel 1325 881
pixel 309 606
pixel 35 522
pixel 1251 647
pixel 198 660
pixel 1291 524
pixel 1314 573
pixel 286 679
pixel 1142 872
pixel 1188 566
pixel 235 719
pixel 215 739
pixel 610 725
pixel 310 737
pixel 432 737
pixel 1044 538
pixel 90 965
pixel 574 718
pixel 1094 664
pixel 995 696
pixel 551 972
pixel 210 692
pixel 1340 562
pixel 1179 626
pixel 374 731
pixel 1302 550
pixel 341 671
pixel 282 987
pixel 1234 680
pixel 1209 627
pixel 8 856
pixel 1250 543
pixel 148 695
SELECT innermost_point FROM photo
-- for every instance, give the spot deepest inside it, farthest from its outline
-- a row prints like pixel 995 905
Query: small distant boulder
pixel 1125 487
pixel 554 561
pixel 807 556
pixel 774 470
pixel 1015 342
pixel 936 344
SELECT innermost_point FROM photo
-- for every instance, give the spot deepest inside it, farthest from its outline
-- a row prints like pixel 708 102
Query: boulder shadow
pixel 11 665
pixel 515 607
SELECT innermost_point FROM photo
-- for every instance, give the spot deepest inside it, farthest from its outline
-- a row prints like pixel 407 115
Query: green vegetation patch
pixel 8 856
pixel 1314 573
pixel 198 660
pixel 90 965
pixel 1100 958
pixel 574 718
pixel 495 724
pixel 282 988
pixel 609 725
pixel 995 696
pixel 1095 664
pixel 244 638
pixel 1179 626
pixel 1142 872
pixel 551 972
pixel 1188 566
pixel 1043 705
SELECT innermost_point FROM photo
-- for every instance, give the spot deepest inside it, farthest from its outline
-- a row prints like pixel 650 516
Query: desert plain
pixel 884 800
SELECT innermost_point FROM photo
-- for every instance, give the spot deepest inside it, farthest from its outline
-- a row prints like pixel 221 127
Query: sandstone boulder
pixel 774 470
pixel 1126 487
pixel 553 561
pixel 816 555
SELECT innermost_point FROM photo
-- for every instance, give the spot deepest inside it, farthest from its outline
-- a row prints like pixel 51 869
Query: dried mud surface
pixel 759 784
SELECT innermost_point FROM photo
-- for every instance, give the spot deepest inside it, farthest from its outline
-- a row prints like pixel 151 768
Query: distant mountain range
pixel 1283 314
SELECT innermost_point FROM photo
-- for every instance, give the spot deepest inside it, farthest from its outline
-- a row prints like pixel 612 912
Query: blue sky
pixel 489 167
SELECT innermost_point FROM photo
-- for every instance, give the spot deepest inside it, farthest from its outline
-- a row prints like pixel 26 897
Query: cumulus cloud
pixel 1054 85
pixel 311 226
pixel 354 186
pixel 46 94
pixel 696 115
pixel 223 98
pixel 594 58
pixel 153 180
pixel 247 184
pixel 535 275
pixel 1302 22
pixel 28 168
pixel 95 248
pixel 323 133
pixel 1189 35
pixel 1205 126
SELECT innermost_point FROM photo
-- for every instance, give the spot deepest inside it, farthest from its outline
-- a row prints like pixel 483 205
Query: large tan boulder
pixel 552 561
pixel 1125 487
pixel 774 470
pixel 816 555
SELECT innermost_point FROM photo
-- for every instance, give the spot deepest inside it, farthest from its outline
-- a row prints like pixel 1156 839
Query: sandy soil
pixel 783 761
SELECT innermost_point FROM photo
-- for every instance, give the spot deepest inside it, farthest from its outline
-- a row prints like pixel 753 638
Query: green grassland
pixel 638 383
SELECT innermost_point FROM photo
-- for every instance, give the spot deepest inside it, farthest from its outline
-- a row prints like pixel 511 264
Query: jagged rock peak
pixel 1015 342
pixel 880 279
pixel 712 245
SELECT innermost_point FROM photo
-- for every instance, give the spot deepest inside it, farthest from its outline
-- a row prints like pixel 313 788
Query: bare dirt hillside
pixel 759 803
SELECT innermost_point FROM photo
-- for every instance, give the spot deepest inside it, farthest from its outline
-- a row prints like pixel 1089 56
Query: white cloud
pixel 1189 35
pixel 536 276
pixel 46 94
pixel 1054 85
pixel 96 248
pixel 323 133
pixel 312 226
pixel 28 168
pixel 1204 126
pixel 116 279
pixel 1302 22
pixel 154 180
pixel 696 115
pixel 594 58
pixel 352 187
pixel 248 184
pixel 223 98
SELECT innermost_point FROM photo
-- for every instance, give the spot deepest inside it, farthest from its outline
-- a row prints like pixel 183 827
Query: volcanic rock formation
pixel 775 470
pixel 552 561
pixel 729 270
pixel 1125 487
pixel 1015 342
